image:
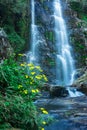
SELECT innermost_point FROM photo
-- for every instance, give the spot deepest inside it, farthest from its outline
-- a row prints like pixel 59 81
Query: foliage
pixel 76 6
pixel 14 21
pixel 20 84
pixel 84 17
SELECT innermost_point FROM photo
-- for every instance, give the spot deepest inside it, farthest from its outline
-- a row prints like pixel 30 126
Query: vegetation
pixel 21 83
pixel 14 19
pixel 18 90
pixel 81 8
pixel 79 39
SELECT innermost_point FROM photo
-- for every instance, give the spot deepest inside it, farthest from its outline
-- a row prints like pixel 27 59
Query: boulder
pixel 5 48
pixel 56 91
pixel 81 83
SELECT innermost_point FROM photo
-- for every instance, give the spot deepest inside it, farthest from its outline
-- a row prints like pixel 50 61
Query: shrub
pixel 19 86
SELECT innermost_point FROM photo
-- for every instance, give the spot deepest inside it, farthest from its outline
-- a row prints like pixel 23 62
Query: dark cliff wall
pixel 76 28
pixel 47 50
pixel 15 20
pixel 75 15
pixel 5 47
pixel 77 23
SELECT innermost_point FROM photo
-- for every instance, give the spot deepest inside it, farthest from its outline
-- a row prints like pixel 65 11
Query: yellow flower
pixel 39 68
pixel 26 76
pixel 42 109
pixel 32 73
pixel 38 77
pixel 37 90
pixel 44 123
pixel 20 86
pixel 31 82
pixel 42 129
pixel 31 68
pixel 30 65
pixel 25 91
pixel 45 112
pixel 33 91
pixel 45 78
pixel 22 64
pixel 21 54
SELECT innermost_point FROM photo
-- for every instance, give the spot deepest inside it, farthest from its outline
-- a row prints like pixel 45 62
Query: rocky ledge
pixel 81 82
pixel 55 90
pixel 5 47
pixel 67 113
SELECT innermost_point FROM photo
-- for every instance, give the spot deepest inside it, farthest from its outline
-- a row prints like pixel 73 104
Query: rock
pixel 5 48
pixel 2 33
pixel 68 113
pixel 42 14
pixel 77 32
pixel 79 72
pixel 81 83
pixel 56 91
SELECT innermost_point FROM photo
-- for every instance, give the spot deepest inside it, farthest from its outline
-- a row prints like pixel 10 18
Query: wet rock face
pixel 56 91
pixel 81 82
pixel 67 113
pixel 46 48
pixel 78 30
pixel 5 48
pixel 42 15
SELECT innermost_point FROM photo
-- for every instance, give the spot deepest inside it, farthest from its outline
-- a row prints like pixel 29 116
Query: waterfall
pixel 32 54
pixel 64 62
pixel 34 32
pixel 36 38
pixel 65 69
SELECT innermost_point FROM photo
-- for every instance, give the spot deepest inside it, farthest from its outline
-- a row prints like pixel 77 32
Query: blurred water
pixel 64 62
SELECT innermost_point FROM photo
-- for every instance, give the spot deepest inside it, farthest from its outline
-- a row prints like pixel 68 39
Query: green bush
pixel 18 112
pixel 15 21
pixel 19 86
pixel 16 41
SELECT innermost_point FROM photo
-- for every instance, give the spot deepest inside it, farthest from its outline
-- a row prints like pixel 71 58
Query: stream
pixel 70 112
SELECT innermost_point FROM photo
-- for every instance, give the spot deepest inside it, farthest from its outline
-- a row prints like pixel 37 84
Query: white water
pixel 34 32
pixel 36 38
pixel 32 54
pixel 73 92
pixel 65 69
pixel 65 65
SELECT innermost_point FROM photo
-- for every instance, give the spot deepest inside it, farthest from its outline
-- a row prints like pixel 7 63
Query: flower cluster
pixel 33 79
pixel 31 86
pixel 22 90
pixel 44 111
pixel 35 72
pixel 35 91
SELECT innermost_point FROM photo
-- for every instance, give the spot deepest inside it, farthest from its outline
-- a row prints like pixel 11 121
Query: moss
pixel 15 21
pixel 76 6
pixel 49 35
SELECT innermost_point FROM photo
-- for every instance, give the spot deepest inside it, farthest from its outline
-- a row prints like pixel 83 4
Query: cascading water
pixel 34 33
pixel 36 38
pixel 32 54
pixel 65 65
pixel 64 62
